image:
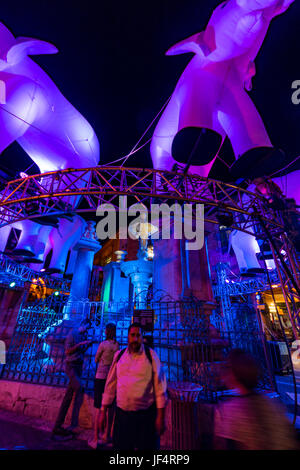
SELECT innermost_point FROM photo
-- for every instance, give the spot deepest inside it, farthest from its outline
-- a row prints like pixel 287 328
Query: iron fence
pixel 190 348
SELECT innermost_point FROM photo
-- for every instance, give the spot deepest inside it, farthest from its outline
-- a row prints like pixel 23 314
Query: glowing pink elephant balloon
pixel 211 92
pixel 36 114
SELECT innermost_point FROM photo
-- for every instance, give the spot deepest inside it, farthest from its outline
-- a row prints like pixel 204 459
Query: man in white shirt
pixel 138 383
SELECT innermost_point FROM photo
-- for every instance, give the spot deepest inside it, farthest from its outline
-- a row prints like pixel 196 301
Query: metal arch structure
pixel 17 271
pixel 56 193
pixel 84 190
pixel 239 288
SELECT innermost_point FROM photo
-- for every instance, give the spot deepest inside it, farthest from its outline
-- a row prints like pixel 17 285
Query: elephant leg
pixel 29 236
pixel 242 123
pixel 193 104
pixel 163 136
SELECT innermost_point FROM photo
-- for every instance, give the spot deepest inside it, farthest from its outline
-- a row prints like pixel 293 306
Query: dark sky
pixel 111 65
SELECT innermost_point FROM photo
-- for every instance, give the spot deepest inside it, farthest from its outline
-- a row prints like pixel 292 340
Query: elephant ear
pixel 28 46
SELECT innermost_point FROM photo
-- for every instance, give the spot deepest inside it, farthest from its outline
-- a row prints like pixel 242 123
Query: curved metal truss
pixel 16 271
pixel 83 190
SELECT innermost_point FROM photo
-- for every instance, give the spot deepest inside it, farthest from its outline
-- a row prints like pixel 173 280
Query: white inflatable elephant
pixel 37 240
pixel 36 115
pixel 211 92
pixel 52 132
pixel 63 239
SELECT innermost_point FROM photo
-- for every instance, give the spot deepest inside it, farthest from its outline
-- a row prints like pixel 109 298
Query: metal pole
pixel 263 337
pixel 287 345
pixel 291 259
pixel 296 335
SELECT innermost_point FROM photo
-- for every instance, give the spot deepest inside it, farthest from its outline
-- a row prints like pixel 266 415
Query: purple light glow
pixel 211 91
pixel 36 114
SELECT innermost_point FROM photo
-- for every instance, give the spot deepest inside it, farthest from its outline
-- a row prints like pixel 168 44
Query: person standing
pixel 137 381
pixel 76 345
pixel 104 358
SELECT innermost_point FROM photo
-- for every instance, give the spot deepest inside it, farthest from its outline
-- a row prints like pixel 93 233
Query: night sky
pixel 112 66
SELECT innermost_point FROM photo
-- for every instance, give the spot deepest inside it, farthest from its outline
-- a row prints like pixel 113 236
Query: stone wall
pixel 41 401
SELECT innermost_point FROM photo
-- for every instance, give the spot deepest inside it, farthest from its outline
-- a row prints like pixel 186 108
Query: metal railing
pixel 21 272
pixel 189 347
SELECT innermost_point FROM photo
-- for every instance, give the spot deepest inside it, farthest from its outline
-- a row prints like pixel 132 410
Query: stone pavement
pixel 23 432
pixel 19 432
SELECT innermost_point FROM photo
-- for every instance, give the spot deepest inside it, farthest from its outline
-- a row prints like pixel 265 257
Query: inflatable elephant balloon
pixel 52 132
pixel 36 115
pixel 212 91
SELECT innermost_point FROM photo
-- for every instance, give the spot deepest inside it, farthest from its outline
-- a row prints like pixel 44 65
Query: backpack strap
pixel 147 352
pixel 120 355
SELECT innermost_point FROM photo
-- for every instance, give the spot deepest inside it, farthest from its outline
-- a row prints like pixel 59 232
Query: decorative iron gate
pixel 188 345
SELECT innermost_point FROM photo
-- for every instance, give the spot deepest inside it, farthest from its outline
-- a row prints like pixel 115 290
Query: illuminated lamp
pixel 150 250
pixel 12 284
pixel 56 293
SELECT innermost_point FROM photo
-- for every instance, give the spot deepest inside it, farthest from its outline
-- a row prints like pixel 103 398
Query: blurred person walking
pixel 76 345
pixel 104 358
pixel 250 420
pixel 137 381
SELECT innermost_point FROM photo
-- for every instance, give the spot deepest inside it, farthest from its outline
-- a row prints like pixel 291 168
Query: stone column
pixel 140 273
pixel 114 287
pixel 86 248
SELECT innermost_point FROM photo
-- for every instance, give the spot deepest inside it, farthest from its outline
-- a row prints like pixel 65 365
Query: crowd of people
pixel 130 398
